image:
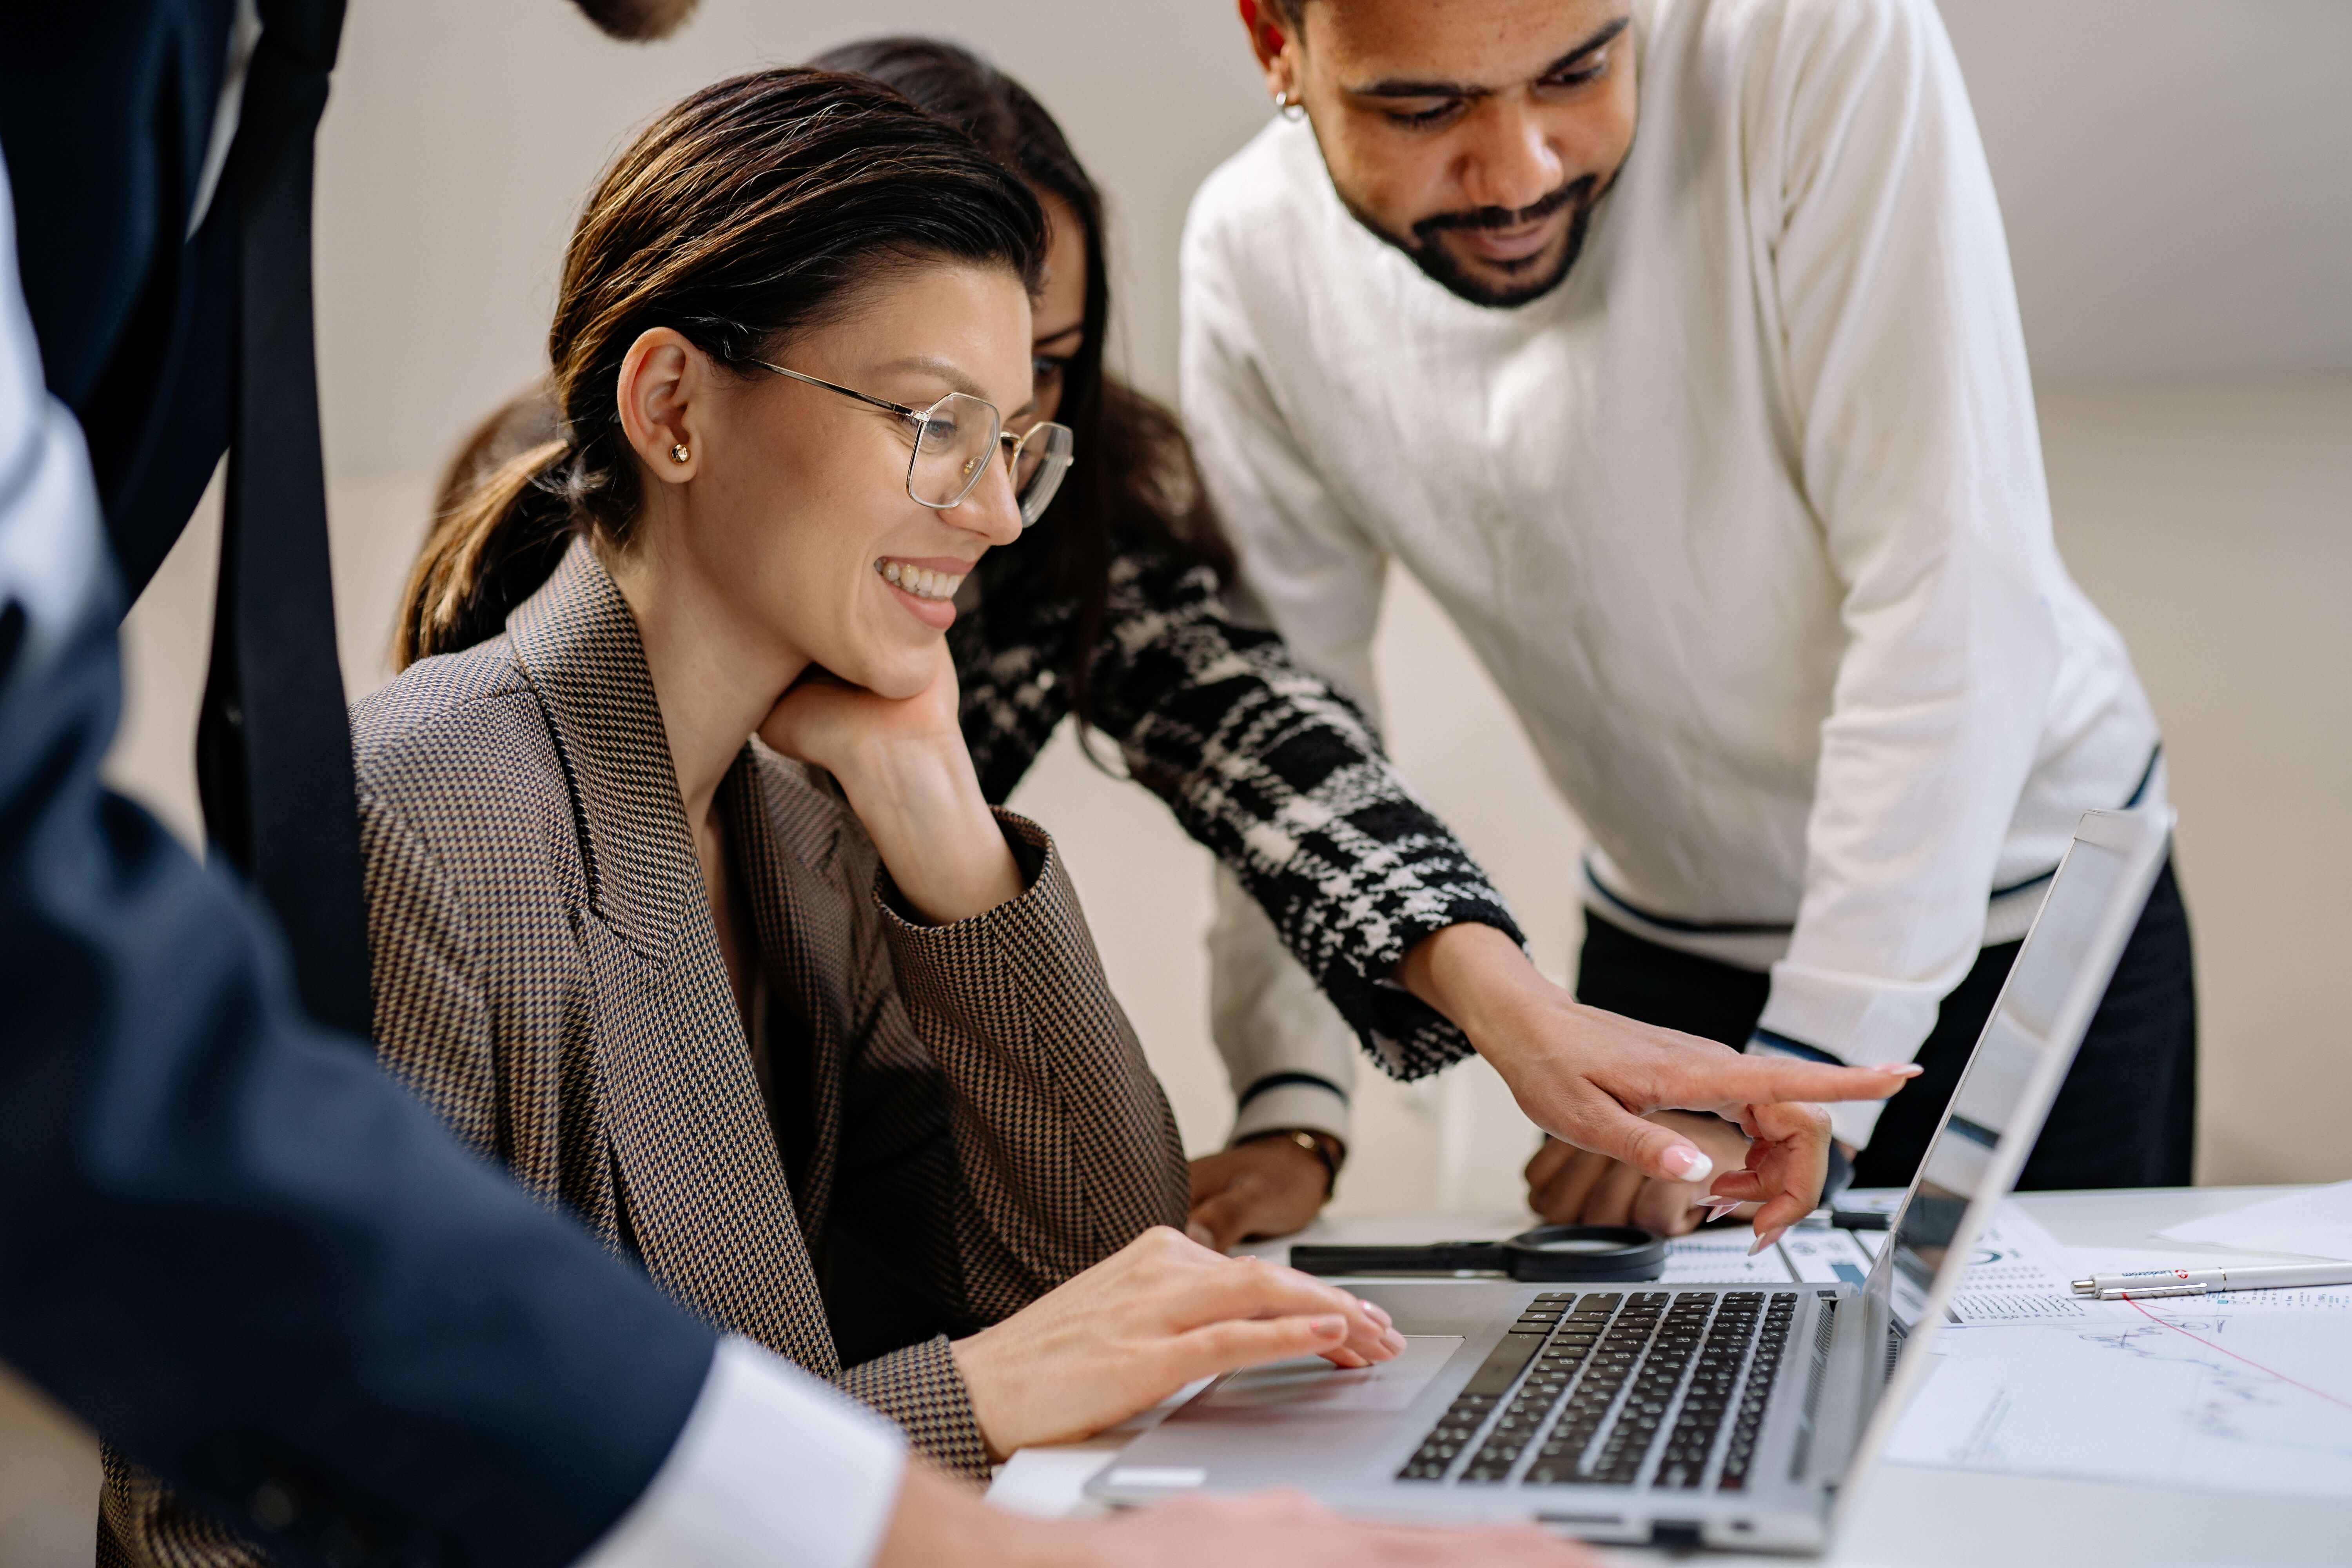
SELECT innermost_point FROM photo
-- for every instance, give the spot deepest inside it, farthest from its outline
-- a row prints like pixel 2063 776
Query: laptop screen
pixel 2003 1096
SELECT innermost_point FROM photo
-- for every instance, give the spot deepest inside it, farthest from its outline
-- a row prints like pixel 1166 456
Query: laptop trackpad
pixel 1310 1385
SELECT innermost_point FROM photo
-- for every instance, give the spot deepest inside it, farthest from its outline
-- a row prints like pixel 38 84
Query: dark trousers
pixel 2126 1116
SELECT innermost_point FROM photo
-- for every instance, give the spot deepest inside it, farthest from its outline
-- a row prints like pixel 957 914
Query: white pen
pixel 2150 1282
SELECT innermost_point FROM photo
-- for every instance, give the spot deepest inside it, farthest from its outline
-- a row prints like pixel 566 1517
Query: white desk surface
pixel 1906 1515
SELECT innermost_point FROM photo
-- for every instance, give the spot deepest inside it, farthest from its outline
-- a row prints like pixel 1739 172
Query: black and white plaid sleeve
pixel 1263 762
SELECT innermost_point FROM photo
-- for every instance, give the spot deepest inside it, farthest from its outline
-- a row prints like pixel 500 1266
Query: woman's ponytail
pixel 491 546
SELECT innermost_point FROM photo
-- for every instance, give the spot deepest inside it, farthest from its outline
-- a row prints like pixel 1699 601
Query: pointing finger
pixel 1705 1081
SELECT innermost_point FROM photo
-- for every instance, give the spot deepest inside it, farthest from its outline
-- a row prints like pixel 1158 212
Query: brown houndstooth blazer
pixel 971 1113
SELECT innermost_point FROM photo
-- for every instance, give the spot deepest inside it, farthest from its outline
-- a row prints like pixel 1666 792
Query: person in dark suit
pixel 228 1239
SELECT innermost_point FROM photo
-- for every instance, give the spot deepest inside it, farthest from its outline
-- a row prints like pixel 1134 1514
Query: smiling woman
pixel 803 1028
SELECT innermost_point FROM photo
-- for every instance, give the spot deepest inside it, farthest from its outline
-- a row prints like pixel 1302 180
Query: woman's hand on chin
pixel 826 721
pixel 1142 1323
pixel 902 764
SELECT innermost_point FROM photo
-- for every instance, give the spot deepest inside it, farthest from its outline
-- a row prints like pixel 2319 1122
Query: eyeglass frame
pixel 923 417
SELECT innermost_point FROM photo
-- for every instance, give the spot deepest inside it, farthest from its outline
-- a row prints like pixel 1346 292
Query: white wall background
pixel 2174 176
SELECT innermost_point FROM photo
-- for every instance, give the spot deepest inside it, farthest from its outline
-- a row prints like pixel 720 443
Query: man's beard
pixel 1429 252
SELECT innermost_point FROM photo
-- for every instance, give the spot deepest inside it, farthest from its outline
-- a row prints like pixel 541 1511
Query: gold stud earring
pixel 678 452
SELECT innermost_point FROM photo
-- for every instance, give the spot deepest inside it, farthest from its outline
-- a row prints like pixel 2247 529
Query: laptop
pixel 1685 1415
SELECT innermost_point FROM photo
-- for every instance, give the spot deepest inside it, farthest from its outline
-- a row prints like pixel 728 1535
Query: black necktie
pixel 273 745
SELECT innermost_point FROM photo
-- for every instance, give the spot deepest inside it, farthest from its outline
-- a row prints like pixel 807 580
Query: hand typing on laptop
pixel 1135 1328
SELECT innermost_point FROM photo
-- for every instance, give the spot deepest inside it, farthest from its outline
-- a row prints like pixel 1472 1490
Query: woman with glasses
pixel 796 1021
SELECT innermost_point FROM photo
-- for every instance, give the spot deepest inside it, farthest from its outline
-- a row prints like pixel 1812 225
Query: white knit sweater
pixel 1747 518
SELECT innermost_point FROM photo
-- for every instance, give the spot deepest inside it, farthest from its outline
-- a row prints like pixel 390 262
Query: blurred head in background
pixel 637 19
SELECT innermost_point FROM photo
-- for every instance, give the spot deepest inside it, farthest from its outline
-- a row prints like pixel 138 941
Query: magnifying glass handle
pixel 1438 1257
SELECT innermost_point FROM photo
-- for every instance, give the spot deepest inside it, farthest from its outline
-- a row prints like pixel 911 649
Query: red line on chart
pixel 2233 1355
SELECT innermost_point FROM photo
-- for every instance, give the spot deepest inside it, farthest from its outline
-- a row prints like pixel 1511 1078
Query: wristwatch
pixel 1322 1145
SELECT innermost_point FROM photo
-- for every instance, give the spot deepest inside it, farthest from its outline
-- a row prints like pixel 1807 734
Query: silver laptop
pixel 1733 1416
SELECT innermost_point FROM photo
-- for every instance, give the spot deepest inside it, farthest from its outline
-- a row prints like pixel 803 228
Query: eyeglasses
pixel 954 439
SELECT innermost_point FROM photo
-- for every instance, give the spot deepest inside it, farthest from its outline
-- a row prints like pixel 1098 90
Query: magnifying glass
pixel 1547 1254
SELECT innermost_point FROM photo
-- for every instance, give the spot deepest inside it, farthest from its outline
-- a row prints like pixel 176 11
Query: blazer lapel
pixel 796 915
pixel 705 1191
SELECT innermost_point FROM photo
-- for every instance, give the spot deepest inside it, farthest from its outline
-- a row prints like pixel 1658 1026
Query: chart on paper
pixel 1721 1258
pixel 1814 1255
pixel 2242 1394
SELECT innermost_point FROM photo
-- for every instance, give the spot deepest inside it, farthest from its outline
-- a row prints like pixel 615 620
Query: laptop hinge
pixel 1843 1387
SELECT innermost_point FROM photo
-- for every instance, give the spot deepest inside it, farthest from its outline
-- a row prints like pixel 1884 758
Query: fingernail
pixel 1767 1239
pixel 1378 1314
pixel 1907 1069
pixel 1328 1328
pixel 1717 1211
pixel 1394 1341
pixel 1687 1163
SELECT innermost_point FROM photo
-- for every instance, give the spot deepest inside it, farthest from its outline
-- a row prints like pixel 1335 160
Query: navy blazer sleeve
pixel 227 1239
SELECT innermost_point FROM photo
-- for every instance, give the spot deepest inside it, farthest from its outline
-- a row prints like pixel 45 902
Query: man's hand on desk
pixel 940 1524
pixel 1265 1186
pixel 1775 1162
pixel 1569 1185
pixel 1592 1078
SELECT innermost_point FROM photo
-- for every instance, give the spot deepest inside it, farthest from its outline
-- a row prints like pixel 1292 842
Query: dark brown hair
pixel 1134 467
pixel 753 211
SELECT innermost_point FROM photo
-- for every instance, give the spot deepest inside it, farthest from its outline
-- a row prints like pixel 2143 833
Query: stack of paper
pixel 2316 1223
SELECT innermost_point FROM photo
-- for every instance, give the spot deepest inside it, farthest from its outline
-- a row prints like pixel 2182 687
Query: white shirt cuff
pixel 771 1467
pixel 1314 1106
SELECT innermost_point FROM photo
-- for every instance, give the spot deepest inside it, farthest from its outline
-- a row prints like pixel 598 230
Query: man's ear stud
pixel 678 452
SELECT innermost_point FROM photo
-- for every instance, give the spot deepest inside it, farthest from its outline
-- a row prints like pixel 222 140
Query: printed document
pixel 2247 1391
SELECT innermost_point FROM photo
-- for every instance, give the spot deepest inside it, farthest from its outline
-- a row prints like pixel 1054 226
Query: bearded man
pixel 1671 344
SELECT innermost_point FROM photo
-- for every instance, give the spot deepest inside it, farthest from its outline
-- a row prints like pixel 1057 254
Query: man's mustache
pixel 1573 194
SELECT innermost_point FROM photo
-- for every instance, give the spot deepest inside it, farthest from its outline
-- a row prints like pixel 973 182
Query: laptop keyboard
pixel 1610 1379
